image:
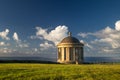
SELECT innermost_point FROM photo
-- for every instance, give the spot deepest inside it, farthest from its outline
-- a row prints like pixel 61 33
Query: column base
pixel 69 62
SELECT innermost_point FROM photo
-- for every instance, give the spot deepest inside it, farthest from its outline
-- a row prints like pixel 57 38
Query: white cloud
pixel 107 37
pixel 19 43
pixel 107 30
pixel 107 50
pixel 41 31
pixel 36 37
pixel 23 45
pixel 4 34
pixel 101 33
pixel 108 42
pixel 117 25
pixel 35 49
pixel 55 35
pixel 86 44
pixel 83 35
pixel 46 45
pixel 50 38
pixel 89 46
pixel 4 44
pixel 82 41
pixel 5 50
pixel 15 37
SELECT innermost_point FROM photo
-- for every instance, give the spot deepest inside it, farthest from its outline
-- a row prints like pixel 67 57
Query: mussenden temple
pixel 70 51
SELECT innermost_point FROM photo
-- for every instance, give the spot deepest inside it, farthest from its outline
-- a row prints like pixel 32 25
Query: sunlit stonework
pixel 70 50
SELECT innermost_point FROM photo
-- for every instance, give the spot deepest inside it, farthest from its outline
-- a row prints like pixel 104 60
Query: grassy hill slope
pixel 28 71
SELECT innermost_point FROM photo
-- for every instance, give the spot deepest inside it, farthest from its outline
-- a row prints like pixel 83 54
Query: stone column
pixel 82 53
pixel 57 53
pixel 70 53
pixel 79 55
pixel 67 53
pixel 74 54
pixel 62 54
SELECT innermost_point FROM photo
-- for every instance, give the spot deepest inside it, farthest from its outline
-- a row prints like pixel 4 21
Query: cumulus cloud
pixel 46 45
pixel 5 50
pixel 35 49
pixel 15 37
pixel 20 43
pixel 101 33
pixel 4 44
pixel 84 35
pixel 106 40
pixel 50 38
pixel 89 46
pixel 82 41
pixel 23 45
pixel 117 25
pixel 4 34
pixel 55 35
pixel 109 36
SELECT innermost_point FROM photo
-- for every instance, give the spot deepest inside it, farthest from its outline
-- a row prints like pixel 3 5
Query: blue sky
pixel 34 27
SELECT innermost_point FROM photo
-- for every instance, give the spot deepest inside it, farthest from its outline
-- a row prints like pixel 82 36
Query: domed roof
pixel 70 39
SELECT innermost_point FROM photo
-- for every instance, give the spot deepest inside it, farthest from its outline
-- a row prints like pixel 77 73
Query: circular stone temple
pixel 70 51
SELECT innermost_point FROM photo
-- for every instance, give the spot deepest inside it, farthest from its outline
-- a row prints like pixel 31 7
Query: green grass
pixel 25 71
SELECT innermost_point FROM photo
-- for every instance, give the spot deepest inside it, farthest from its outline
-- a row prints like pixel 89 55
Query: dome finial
pixel 69 34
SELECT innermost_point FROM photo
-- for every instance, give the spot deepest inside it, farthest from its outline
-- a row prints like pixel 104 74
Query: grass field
pixel 26 71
